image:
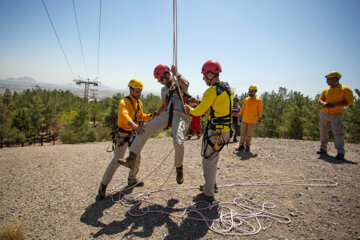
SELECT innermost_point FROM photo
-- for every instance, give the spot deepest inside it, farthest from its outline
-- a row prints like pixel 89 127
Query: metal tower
pixel 87 83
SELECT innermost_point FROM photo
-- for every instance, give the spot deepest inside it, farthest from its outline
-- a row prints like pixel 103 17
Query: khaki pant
pixel 210 164
pixel 179 127
pixel 334 122
pixel 247 130
pixel 119 152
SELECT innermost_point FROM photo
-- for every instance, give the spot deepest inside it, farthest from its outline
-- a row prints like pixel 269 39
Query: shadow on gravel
pixel 195 229
pixel 141 226
pixel 331 159
pixel 95 211
pixel 246 155
pixel 144 226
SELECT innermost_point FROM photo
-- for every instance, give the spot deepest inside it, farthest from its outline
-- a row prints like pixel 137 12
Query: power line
pixel 57 37
pixel 98 60
pixel 78 29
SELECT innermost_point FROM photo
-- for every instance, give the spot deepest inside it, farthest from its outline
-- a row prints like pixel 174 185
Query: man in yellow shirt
pixel 129 115
pixel 218 98
pixel 333 99
pixel 251 113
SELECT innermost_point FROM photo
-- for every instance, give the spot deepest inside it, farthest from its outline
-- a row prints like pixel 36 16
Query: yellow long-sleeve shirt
pixel 251 109
pixel 220 104
pixel 127 113
pixel 337 94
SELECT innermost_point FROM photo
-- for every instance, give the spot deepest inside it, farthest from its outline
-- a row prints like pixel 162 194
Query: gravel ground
pixel 52 190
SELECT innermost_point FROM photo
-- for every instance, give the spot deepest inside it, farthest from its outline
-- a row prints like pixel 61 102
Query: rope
pixel 57 37
pixel 98 59
pixel 240 217
pixel 175 33
pixel 78 30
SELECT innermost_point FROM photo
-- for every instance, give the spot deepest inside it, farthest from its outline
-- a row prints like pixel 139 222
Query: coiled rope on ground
pixel 240 217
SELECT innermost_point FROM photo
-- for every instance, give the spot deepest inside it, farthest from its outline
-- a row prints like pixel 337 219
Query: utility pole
pixel 87 83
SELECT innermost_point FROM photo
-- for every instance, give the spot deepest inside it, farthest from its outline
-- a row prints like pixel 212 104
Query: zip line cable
pixel 57 37
pixel 98 60
pixel 82 50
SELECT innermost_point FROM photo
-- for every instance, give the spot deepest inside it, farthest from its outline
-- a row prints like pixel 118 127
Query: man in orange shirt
pixel 333 99
pixel 129 115
pixel 251 113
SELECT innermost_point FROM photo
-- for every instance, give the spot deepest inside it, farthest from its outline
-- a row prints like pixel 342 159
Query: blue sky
pixel 269 43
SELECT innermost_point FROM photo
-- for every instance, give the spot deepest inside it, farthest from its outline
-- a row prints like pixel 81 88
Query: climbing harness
pixel 133 106
pixel 122 136
pixel 217 124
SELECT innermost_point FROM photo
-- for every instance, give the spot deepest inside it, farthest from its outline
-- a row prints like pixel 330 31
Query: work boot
pixel 215 188
pixel 129 162
pixel 340 156
pixel 132 182
pixel 101 191
pixel 247 149
pixel 241 148
pixel 179 175
pixel 321 151
pixel 203 198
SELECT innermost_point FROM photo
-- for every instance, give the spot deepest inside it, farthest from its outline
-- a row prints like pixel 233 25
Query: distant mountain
pixel 22 83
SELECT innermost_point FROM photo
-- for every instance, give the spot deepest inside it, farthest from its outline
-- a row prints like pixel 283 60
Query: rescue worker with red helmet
pixel 251 113
pixel 129 114
pixel 194 125
pixel 218 98
pixel 333 99
pixel 171 113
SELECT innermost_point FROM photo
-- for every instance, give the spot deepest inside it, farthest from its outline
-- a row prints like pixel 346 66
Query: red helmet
pixel 211 66
pixel 160 70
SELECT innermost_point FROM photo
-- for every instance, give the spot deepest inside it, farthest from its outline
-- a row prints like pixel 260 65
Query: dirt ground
pixel 52 190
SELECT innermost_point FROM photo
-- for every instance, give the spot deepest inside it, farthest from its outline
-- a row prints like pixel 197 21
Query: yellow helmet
pixel 253 88
pixel 134 83
pixel 333 74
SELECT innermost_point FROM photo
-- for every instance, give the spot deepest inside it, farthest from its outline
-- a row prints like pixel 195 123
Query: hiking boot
pixel 188 137
pixel 241 148
pixel 129 162
pixel 203 198
pixel 133 182
pixel 340 156
pixel 321 151
pixel 179 175
pixel 235 140
pixel 101 191
pixel 247 149
pixel 215 188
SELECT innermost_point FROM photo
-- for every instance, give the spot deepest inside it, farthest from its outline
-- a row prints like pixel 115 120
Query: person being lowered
pixel 129 115
pixel 171 113
pixel 219 99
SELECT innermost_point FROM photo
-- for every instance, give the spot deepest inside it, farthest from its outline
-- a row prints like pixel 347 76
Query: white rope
pixel 241 217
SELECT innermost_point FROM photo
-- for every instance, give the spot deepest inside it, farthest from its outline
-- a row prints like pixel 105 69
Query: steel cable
pixel 58 39
pixel 81 46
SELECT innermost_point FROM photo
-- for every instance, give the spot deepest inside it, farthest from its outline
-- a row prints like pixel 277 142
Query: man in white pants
pixel 173 116
pixel 129 114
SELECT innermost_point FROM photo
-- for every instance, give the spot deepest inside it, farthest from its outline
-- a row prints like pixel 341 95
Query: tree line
pixel 28 115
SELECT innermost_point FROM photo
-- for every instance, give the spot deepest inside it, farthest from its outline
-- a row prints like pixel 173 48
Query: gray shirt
pixel 175 99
